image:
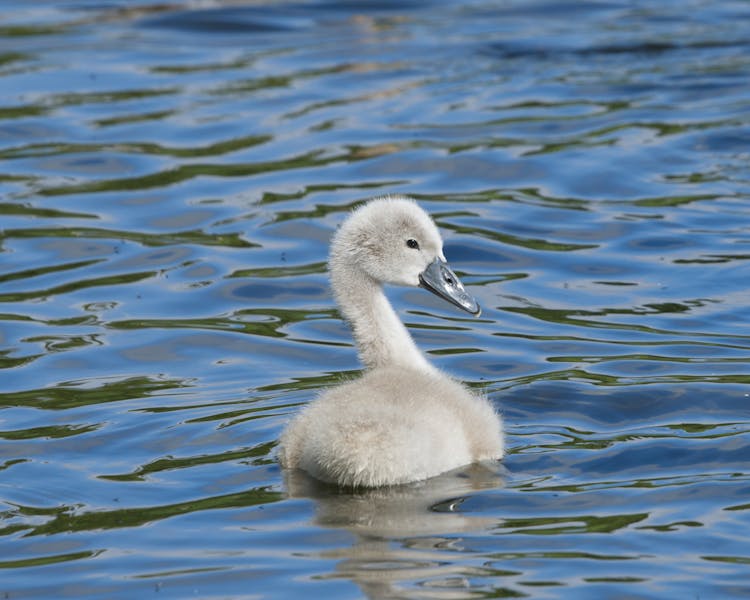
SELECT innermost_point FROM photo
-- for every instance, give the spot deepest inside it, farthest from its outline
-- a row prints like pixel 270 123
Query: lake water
pixel 170 175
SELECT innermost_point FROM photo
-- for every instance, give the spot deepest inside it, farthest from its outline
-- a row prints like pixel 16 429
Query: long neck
pixel 381 337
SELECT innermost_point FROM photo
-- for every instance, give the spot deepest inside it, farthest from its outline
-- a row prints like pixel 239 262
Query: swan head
pixel 392 240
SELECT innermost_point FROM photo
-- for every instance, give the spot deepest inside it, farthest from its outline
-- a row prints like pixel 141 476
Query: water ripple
pixel 171 175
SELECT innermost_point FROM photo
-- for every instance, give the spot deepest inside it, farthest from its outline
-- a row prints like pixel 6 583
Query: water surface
pixel 170 176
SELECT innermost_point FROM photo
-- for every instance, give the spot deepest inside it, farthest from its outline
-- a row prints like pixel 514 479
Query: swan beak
pixel 442 281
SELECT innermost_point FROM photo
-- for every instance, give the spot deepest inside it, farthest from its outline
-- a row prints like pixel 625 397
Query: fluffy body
pixel 402 420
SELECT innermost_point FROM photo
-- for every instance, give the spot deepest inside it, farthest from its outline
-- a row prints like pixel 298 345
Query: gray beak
pixel 441 281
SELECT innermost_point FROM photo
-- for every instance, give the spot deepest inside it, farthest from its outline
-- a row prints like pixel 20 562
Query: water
pixel 170 175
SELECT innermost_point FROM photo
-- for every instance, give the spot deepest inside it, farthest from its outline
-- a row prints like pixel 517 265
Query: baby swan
pixel 403 420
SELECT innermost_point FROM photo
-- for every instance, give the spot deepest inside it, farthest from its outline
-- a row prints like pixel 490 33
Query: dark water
pixel 170 175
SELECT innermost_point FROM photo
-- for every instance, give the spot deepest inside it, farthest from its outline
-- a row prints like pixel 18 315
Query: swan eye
pixel 413 244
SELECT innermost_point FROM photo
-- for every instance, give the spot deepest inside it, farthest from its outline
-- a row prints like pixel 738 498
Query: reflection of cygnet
pixel 424 508
pixel 403 420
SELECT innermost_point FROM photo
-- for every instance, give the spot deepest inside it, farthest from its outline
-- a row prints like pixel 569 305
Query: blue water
pixel 170 175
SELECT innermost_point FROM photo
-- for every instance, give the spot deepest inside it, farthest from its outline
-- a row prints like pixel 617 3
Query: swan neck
pixel 382 339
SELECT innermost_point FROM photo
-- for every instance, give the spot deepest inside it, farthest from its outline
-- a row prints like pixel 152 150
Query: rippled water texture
pixel 170 175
